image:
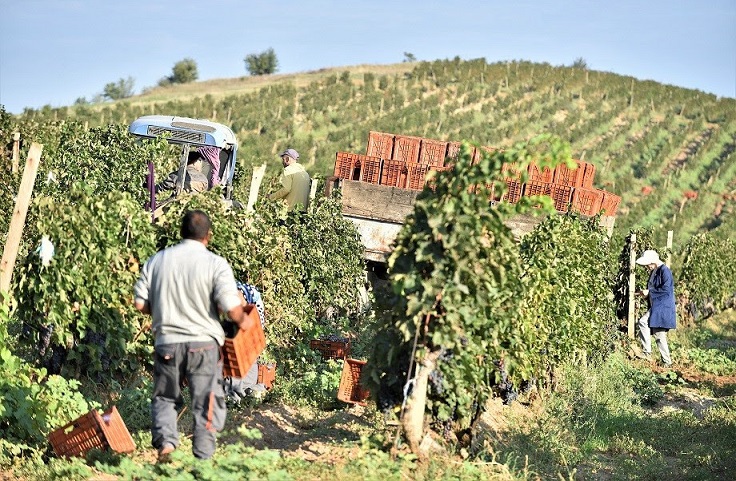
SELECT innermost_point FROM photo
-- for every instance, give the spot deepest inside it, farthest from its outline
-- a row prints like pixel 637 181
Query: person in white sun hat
pixel 660 317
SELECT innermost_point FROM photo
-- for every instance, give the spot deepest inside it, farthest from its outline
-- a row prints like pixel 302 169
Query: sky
pixel 53 52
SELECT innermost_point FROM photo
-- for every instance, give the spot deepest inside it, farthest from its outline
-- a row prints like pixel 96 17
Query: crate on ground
pixel 479 151
pixel 331 347
pixel 565 175
pixel 535 187
pixel 539 174
pixel 350 389
pixel 417 175
pixel 92 431
pixel 511 171
pixel 588 174
pixel 609 203
pixel 513 191
pixel 586 201
pixel 394 173
pixel 561 196
pixel 266 374
pixel 380 144
pixel 432 152
pixel 406 148
pixel 242 350
pixel 347 165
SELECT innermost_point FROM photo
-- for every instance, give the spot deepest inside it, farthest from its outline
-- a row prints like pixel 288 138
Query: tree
pixel 580 63
pixel 263 63
pixel 184 71
pixel 409 57
pixel 121 89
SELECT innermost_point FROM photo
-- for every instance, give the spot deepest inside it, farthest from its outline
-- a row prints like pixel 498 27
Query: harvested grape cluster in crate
pixel 331 346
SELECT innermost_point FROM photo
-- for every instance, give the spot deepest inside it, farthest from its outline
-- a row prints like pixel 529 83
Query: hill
pixel 667 151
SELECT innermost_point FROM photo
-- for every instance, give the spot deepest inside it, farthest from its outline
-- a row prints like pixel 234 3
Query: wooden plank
pixel 378 202
pixel 10 251
pixel 632 285
pixel 670 234
pixel 16 151
pixel 255 185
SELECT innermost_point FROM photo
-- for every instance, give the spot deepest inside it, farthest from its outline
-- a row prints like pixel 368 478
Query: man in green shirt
pixel 295 181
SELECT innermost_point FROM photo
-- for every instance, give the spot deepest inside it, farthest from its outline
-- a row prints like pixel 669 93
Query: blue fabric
pixel 252 296
pixel 662 298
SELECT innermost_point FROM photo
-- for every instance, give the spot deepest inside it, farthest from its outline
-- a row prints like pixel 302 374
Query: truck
pixel 188 133
pixel 379 188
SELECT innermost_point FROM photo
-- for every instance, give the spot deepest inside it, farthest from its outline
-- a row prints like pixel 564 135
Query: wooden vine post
pixel 10 251
pixel 669 248
pixel 632 285
pixel 255 185
pixel 16 151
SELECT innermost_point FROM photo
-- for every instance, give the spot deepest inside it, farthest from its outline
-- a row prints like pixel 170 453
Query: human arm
pixel 286 183
pixel 169 183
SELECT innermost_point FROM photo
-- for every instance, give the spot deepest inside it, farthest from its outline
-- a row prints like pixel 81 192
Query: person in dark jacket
pixel 660 317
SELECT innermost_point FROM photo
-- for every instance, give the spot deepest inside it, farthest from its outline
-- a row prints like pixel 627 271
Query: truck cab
pixel 190 134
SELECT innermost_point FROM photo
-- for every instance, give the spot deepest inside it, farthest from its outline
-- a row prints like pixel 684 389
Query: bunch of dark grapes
pixel 435 381
pixel 505 389
pixel 44 338
pixel 98 339
pixel 333 338
pixel 388 398
pixel 56 361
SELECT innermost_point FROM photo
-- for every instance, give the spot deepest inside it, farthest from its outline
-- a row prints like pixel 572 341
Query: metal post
pixel 632 285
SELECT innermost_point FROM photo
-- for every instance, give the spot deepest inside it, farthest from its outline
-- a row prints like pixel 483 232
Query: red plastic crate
pixel 432 152
pixel 331 349
pixel 534 187
pixel 610 203
pixel 380 144
pixel 513 191
pixel 242 350
pixel 350 390
pixel 394 173
pixel 439 171
pixel 561 196
pixel 566 176
pixel 416 176
pixel 539 174
pixel 586 201
pixel 588 174
pixel 92 431
pixel 370 169
pixel 511 171
pixel 406 148
pixel 347 165
pixel 267 374
pixel 453 150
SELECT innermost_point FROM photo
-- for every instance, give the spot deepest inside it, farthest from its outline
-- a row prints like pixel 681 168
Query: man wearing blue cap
pixel 295 181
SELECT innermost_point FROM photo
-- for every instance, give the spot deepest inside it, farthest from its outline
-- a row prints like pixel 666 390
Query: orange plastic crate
pixel 242 350
pixel 453 150
pixel 439 171
pixel 610 203
pixel 347 165
pixel 513 191
pixel 511 171
pixel 534 187
pixel 350 390
pixel 588 175
pixel 331 349
pixel 416 176
pixel 370 169
pixel 380 144
pixel 561 196
pixel 539 174
pixel 92 431
pixel 267 374
pixel 586 201
pixel 566 176
pixel 406 148
pixel 432 152
pixel 394 173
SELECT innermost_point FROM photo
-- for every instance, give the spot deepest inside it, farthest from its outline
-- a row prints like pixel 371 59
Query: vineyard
pixel 467 331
